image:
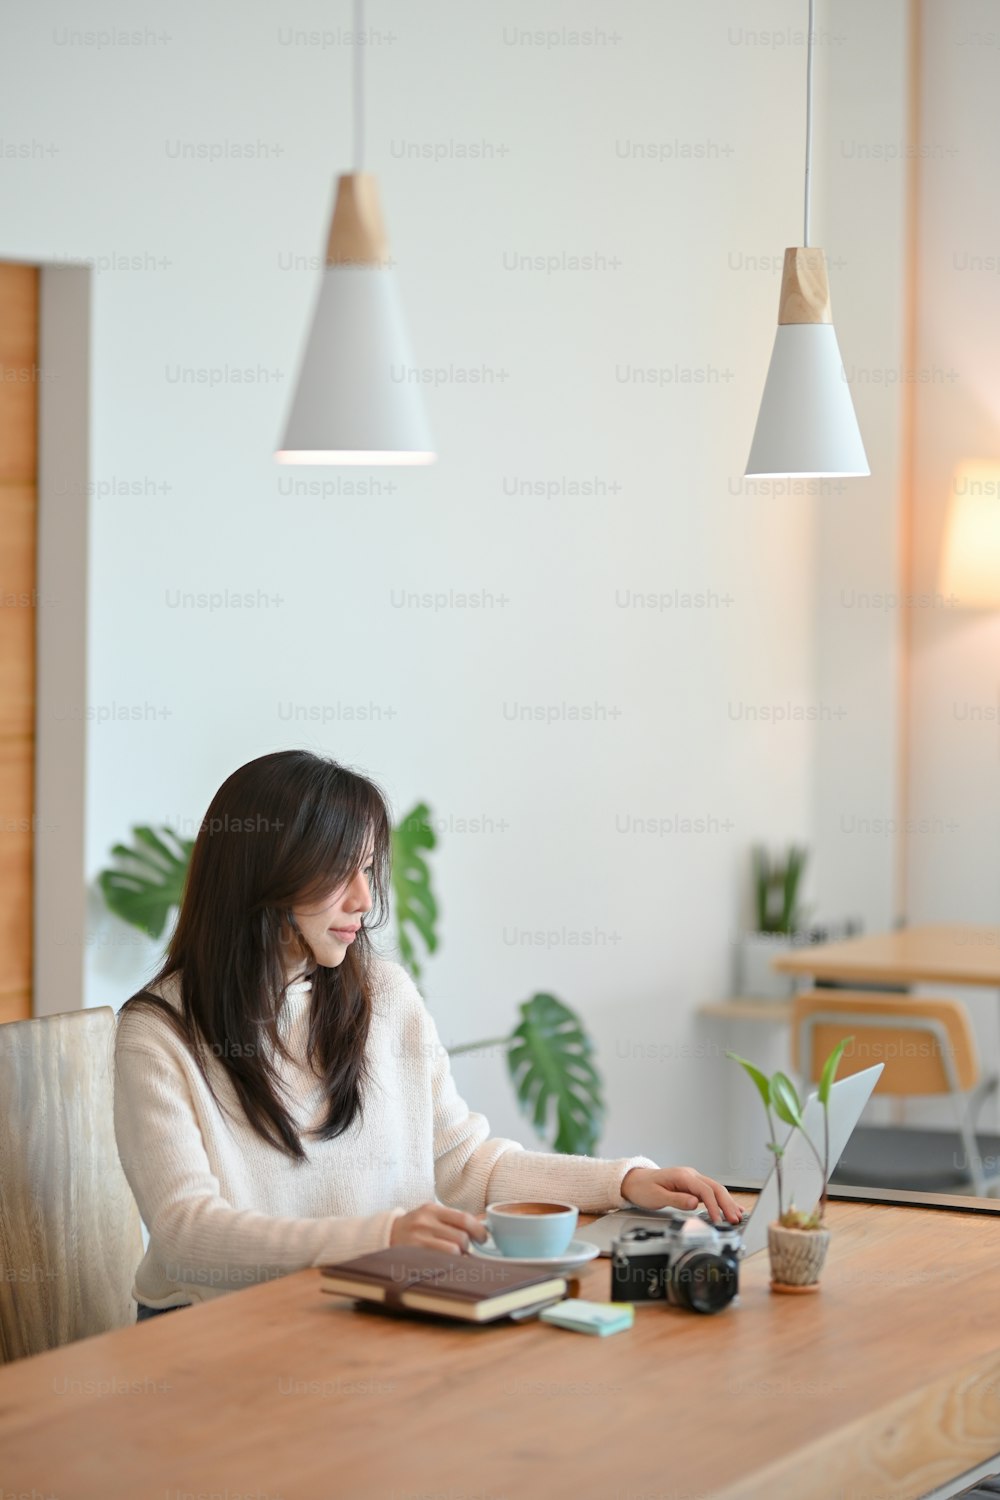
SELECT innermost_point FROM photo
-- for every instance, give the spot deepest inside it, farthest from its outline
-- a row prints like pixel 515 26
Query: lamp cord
pixel 809 121
pixel 358 89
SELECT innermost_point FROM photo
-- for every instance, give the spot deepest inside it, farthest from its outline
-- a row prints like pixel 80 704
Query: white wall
pixel 861 220
pixel 717 95
pixel 954 867
pixel 955 750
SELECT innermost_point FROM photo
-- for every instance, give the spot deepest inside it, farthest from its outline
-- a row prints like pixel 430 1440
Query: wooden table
pixel 935 953
pixel 752 1008
pixel 885 1384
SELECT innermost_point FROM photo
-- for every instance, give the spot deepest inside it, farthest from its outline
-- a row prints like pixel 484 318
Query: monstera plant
pixel 550 1061
pixel 413 903
pixel 550 1057
pixel 145 885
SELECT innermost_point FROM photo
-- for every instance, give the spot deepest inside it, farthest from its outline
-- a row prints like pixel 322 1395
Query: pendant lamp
pixel 806 427
pixel 357 400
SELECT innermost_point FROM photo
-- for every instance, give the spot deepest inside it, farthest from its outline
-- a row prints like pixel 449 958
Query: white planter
pixel 755 979
pixel 756 951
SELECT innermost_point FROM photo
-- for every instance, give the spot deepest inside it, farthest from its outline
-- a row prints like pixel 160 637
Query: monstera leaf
pixel 414 904
pixel 148 881
pixel 549 1059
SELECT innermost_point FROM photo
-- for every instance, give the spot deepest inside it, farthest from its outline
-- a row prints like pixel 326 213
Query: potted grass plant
pixel 797 1241
pixel 778 916
pixel 780 923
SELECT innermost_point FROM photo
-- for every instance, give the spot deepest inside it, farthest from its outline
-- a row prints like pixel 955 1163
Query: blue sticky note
pixel 601 1318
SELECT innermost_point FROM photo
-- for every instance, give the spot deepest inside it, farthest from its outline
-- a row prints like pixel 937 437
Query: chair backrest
pixel 69 1227
pixel 927 1046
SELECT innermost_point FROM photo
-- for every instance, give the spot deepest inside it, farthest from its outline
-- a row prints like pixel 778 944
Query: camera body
pixel 689 1263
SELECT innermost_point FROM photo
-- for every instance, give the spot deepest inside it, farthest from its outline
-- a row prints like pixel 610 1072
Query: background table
pixel 885 1384
pixel 933 953
pixel 952 953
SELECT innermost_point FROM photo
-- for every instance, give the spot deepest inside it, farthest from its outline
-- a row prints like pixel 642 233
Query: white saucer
pixel 577 1253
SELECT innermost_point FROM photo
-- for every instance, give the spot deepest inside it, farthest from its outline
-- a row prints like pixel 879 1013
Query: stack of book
pixel 414 1279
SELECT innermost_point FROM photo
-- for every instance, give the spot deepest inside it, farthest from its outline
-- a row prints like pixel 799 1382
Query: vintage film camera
pixel 689 1262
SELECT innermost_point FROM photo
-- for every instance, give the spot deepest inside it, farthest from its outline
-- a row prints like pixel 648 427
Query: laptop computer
pixel 800 1173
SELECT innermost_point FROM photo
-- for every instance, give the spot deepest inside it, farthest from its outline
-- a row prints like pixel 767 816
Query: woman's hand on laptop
pixel 679 1187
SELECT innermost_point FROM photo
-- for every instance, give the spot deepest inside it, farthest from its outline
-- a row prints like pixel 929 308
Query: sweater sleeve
pixel 472 1168
pixel 199 1238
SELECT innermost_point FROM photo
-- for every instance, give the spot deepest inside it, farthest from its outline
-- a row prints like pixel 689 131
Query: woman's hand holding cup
pixel 437 1228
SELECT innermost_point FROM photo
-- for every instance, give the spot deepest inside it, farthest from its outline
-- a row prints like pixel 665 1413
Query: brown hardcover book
pixel 457 1286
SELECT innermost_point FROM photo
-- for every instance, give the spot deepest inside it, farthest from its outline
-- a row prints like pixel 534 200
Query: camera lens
pixel 702 1282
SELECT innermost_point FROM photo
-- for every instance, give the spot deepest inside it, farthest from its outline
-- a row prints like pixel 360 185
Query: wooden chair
pixel 927 1047
pixel 69 1227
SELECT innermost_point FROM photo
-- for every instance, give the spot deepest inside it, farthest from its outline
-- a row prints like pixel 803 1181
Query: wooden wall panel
pixel 17 609
pixel 16 852
pixel 16 1006
pixel 19 375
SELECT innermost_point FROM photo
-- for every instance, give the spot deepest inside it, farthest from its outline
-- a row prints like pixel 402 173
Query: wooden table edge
pixel 875 1455
pixel 880 971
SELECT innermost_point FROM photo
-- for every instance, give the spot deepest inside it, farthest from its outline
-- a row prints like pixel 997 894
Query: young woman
pixel 282 1098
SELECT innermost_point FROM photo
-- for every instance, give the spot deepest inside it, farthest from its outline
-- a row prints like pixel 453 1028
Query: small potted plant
pixel 797 1241
pixel 778 916
pixel 780 923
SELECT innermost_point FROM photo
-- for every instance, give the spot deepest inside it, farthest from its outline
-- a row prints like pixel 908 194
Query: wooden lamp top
pixel 357 233
pixel 805 291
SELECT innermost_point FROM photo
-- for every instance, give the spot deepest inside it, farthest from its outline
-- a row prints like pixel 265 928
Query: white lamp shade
pixel 806 427
pixel 970 561
pixel 358 398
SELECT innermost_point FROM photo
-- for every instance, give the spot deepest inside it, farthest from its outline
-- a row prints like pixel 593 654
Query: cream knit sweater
pixel 224 1209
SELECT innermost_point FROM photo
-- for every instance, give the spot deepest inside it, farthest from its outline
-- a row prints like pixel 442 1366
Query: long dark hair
pixel 283 830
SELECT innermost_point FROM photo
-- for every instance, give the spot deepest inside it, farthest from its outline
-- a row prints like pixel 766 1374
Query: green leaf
pixel 793 876
pixel 794 1218
pixel 786 1100
pixel 830 1070
pixel 777 881
pixel 759 860
pixel 759 1078
pixel 551 1067
pixel 773 1146
pixel 414 903
pixel 147 882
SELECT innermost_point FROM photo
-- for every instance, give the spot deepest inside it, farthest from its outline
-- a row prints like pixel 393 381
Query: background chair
pixel 69 1227
pixel 927 1048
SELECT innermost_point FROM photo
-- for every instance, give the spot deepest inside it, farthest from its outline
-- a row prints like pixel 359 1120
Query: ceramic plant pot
pixel 797 1257
pixel 755 952
pixel 754 976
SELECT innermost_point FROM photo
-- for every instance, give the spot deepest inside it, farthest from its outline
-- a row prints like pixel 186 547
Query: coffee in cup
pixel 536 1230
